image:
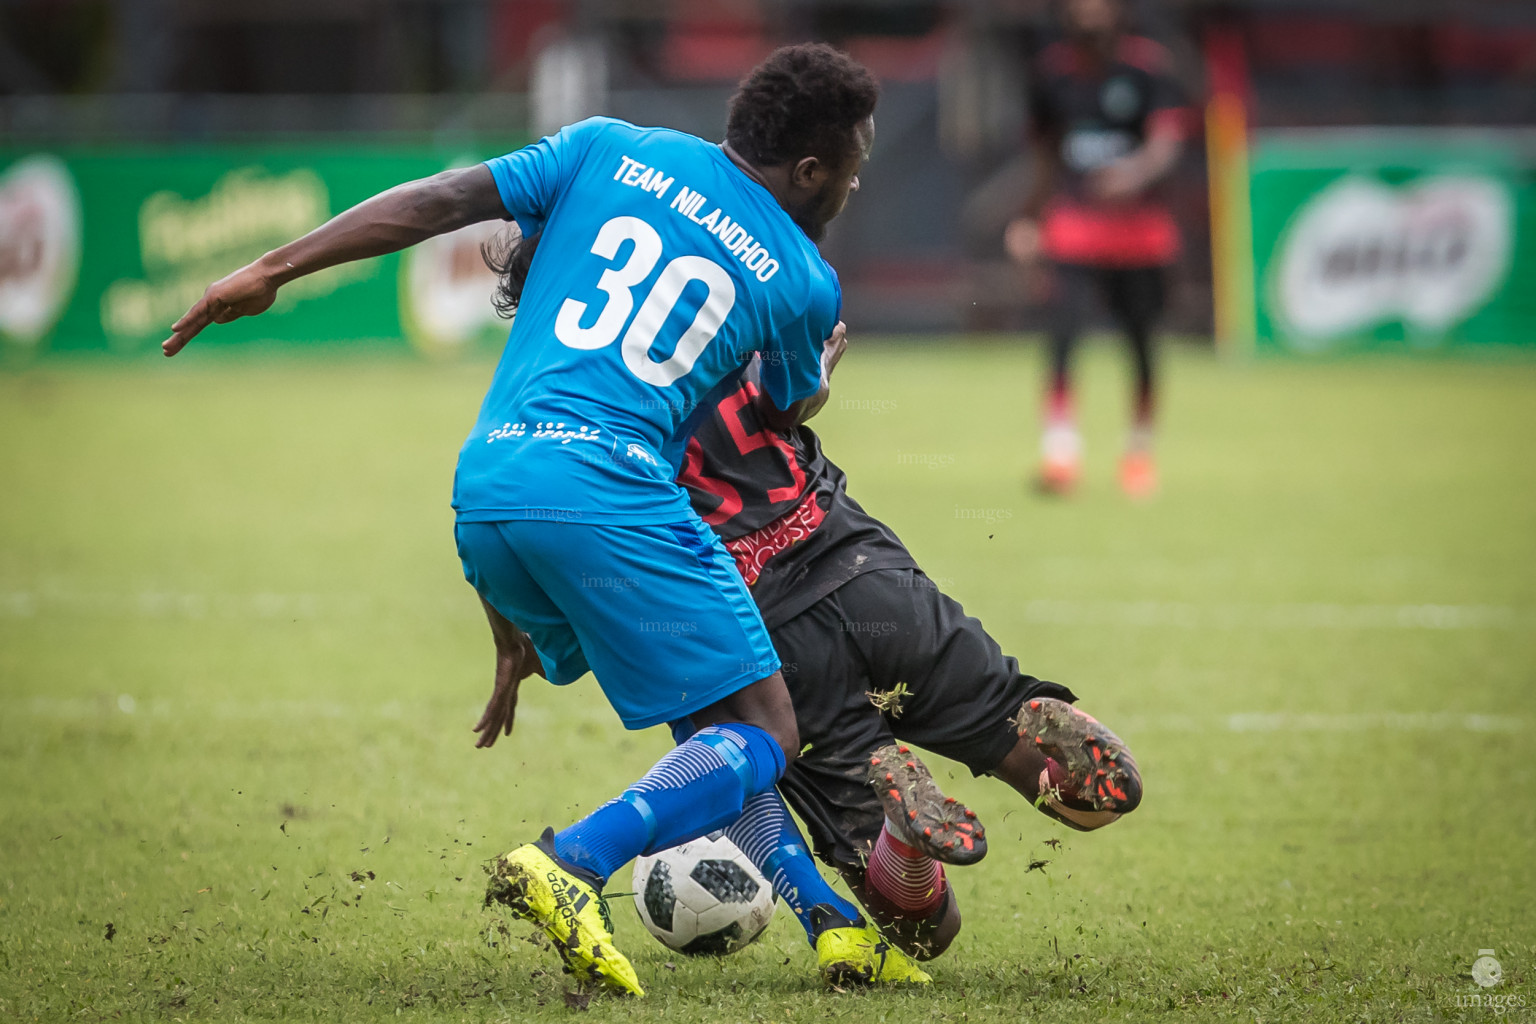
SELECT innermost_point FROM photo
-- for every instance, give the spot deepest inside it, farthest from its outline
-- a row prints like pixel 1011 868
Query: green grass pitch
pixel 239 666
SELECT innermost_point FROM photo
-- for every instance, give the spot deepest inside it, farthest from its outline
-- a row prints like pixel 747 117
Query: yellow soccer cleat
pixel 535 886
pixel 853 953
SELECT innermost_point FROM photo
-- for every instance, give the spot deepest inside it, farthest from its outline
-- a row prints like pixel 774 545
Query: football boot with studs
pixel 1090 778
pixel 854 953
pixel 917 811
pixel 566 903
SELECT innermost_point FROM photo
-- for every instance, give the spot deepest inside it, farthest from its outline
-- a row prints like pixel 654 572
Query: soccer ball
pixel 702 897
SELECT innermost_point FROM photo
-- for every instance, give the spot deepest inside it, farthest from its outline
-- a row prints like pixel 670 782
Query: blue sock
pixel 701 785
pixel 769 837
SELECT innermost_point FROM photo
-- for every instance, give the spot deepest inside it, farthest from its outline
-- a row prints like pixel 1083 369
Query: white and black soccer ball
pixel 702 897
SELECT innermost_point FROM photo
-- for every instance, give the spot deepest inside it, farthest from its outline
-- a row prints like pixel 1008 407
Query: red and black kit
pixel 1091 112
pixel 850 613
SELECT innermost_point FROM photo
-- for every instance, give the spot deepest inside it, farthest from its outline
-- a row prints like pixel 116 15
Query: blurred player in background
pixel 875 656
pixel 704 252
pixel 1108 123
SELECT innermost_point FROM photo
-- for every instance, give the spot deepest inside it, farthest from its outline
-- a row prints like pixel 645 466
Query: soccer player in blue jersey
pixel 875 656
pixel 667 263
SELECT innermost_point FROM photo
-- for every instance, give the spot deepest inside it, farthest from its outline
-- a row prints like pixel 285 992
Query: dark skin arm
pixel 764 703
pixel 783 420
pixel 389 222
pixel 516 660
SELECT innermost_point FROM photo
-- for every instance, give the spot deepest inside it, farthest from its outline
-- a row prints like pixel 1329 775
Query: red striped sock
pixel 910 880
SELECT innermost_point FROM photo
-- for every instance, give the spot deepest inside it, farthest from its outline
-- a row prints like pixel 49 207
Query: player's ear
pixel 808 173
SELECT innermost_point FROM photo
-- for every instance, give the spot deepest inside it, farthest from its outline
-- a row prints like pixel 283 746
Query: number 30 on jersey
pixel 618 284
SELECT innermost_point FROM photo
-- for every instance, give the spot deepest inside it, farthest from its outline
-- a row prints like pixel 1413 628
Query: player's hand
pixel 832 349
pixel 516 660
pixel 1022 240
pixel 247 292
pixel 501 709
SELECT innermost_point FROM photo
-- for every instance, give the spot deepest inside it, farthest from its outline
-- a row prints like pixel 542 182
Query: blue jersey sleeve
pixel 531 178
pixel 791 361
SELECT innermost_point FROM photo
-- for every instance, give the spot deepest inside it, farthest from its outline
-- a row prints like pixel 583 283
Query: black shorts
pixel 880 629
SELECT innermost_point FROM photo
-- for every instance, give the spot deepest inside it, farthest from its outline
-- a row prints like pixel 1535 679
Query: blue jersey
pixel 662 269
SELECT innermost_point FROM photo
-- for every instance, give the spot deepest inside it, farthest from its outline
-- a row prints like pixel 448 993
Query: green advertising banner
pixel 1379 239
pixel 103 249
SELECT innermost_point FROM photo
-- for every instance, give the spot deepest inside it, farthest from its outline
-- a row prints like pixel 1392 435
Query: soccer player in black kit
pixel 1107 125
pixel 851 614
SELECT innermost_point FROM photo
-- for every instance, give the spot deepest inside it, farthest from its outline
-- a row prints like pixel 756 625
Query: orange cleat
pixel 1059 476
pixel 1138 474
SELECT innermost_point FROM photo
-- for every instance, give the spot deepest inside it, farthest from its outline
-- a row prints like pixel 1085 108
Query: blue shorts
pixel 657 613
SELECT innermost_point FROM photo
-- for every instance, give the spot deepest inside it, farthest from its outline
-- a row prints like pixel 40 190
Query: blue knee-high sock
pixel 769 837
pixel 701 785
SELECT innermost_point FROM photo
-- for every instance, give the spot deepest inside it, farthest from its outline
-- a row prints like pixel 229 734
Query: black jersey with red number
pixel 782 508
pixel 1094 111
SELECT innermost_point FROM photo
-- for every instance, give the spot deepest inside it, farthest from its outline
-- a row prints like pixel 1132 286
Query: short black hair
pixel 804 100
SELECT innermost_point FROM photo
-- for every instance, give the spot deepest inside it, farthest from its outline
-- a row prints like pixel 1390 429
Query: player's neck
pixel 774 179
pixel 749 169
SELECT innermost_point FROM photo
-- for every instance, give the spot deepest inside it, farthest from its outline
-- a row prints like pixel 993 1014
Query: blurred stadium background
pixel 149 121
pixel 238 661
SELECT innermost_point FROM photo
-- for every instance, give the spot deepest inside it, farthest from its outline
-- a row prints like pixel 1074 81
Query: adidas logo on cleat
pixel 532 883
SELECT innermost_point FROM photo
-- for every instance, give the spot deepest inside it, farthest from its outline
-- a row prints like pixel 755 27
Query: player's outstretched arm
pixel 389 222
pixel 787 419
pixel 516 660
